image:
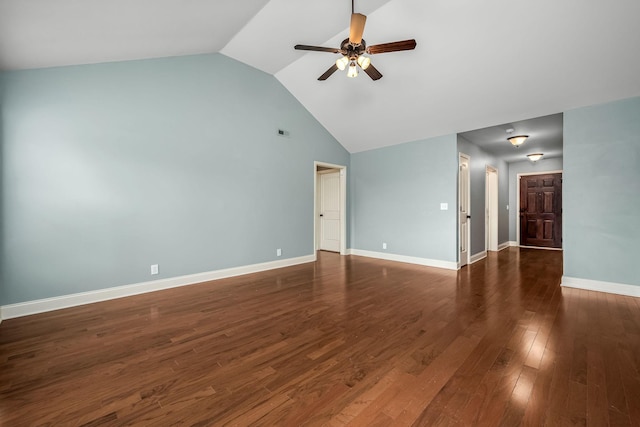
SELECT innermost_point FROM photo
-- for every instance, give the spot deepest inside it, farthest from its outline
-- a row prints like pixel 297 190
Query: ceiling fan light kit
pixel 353 49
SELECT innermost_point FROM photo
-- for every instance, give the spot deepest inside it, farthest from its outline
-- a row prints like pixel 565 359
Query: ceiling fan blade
pixel 316 48
pixel 373 72
pixel 328 73
pixel 357 28
pixel 392 47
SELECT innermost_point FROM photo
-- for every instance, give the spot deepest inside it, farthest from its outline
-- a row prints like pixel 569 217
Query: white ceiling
pixel 477 64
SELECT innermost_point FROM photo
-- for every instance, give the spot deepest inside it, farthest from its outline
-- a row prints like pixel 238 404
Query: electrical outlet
pixel 384 246
pixel 278 252
pixel 154 269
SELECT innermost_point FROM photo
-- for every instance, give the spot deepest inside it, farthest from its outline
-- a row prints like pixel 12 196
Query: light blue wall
pixel 110 168
pixel 480 159
pixel 602 192
pixel 396 195
pixel 527 167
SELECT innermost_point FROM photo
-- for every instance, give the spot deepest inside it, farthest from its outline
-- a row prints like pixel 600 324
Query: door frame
pixel 491 204
pixel 343 205
pixel 467 158
pixel 517 214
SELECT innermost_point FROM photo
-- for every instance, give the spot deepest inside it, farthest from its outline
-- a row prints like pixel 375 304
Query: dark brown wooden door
pixel 541 210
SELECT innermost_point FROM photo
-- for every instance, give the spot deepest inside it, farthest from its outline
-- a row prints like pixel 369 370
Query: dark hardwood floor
pixel 344 341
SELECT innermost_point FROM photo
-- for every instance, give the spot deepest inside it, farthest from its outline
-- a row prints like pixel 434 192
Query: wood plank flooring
pixel 343 341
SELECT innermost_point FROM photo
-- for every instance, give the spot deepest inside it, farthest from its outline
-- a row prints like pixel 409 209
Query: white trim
pixel 518 176
pixel 477 257
pixel 56 303
pixel 503 245
pixel 343 204
pixel 449 265
pixel 491 208
pixel 600 286
pixel 544 248
pixel 512 243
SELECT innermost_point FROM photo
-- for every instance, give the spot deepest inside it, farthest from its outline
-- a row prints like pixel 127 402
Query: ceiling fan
pixel 354 48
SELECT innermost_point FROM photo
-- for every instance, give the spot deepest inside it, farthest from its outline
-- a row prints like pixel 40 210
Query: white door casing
pixel 464 216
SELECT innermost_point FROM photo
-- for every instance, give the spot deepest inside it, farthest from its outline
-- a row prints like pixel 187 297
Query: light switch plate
pixel 444 206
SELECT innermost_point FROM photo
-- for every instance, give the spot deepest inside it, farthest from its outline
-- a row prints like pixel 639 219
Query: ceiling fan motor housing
pixel 352 51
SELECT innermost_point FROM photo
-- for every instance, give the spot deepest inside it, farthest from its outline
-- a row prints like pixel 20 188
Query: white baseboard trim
pixel 599 286
pixel 56 303
pixel 506 245
pixel 449 265
pixel 513 243
pixel 541 247
pixel 477 257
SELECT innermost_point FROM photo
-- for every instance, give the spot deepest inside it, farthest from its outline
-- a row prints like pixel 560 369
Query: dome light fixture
pixel 534 157
pixel 517 140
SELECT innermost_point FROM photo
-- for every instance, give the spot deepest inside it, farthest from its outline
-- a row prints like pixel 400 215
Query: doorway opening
pixel 330 203
pixel 491 208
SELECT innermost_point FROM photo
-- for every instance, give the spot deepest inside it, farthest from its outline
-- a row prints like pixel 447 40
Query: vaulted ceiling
pixel 476 64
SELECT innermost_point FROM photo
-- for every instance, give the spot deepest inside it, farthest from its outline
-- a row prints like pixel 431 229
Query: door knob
pixel 321 214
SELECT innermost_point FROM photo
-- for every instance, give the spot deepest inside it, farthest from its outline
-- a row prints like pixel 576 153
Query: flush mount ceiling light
pixel 516 140
pixel 534 157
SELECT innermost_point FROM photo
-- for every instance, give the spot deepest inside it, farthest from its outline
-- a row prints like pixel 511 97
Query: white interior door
pixel 464 216
pixel 492 209
pixel 330 211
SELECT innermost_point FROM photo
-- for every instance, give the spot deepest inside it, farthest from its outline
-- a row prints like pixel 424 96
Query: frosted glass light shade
pixel 364 61
pixel 341 63
pixel 353 71
pixel 517 140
